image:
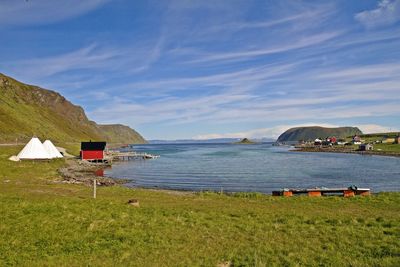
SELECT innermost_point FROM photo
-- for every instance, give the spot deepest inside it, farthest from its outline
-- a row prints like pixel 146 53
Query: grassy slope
pixel 46 223
pixel 387 147
pixel 379 136
pixel 22 113
pixel 121 134
pixel 27 110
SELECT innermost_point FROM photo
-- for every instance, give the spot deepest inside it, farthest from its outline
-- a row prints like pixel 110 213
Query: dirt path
pixel 64 152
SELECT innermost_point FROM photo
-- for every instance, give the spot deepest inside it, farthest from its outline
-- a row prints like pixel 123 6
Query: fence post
pixel 94 188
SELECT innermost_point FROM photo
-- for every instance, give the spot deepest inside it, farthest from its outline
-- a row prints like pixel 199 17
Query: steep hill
pixel 313 132
pixel 118 133
pixel 27 110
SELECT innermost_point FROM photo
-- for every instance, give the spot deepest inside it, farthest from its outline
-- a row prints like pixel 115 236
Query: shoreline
pixel 81 172
pixel 143 226
pixel 345 151
pixel 84 173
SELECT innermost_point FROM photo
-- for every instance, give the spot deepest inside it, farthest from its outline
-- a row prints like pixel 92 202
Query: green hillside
pixel 379 136
pixel 118 133
pixel 27 110
pixel 313 132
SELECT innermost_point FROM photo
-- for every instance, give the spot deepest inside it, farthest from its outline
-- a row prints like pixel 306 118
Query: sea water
pixel 254 168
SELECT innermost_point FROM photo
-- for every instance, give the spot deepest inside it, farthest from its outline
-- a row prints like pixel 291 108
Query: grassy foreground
pixel 46 223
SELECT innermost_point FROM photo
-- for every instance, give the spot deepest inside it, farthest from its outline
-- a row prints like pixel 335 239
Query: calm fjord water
pixel 258 168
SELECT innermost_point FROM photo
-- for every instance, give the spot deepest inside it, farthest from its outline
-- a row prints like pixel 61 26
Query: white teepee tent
pixel 51 149
pixel 34 150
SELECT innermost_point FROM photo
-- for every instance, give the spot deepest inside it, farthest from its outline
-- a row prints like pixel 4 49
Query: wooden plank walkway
pixel 130 156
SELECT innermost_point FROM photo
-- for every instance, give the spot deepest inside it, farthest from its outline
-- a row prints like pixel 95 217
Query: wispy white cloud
pixel 45 11
pixel 387 13
pixel 364 72
pixel 84 58
pixel 223 110
pixel 334 94
pixel 244 78
pixel 297 44
pixel 376 128
pixel 271 132
pixel 94 58
pixel 301 18
pixel 274 132
pixel 216 63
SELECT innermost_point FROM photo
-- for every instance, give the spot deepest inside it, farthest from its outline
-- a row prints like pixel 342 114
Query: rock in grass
pixel 133 202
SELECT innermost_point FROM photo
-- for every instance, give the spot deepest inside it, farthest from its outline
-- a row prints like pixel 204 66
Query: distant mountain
pixel 195 141
pixel 313 132
pixel 245 141
pixel 118 133
pixel 27 110
pixel 208 141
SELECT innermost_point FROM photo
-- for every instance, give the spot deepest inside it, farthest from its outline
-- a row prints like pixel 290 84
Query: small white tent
pixel 51 149
pixel 34 150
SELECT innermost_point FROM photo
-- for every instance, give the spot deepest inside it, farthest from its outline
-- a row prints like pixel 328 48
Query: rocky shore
pixel 82 172
pixel 346 150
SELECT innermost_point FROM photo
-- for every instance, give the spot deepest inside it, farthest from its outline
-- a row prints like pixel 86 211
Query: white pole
pixel 94 188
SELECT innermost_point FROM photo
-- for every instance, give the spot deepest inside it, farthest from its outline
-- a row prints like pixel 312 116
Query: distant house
pixel 365 147
pixel 317 142
pixel 326 143
pixel 397 140
pixel 356 140
pixel 341 141
pixel 93 151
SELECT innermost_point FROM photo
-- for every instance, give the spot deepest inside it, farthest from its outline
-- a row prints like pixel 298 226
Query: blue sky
pixel 209 69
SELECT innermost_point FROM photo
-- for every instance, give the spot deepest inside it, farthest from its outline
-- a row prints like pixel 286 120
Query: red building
pixel 92 150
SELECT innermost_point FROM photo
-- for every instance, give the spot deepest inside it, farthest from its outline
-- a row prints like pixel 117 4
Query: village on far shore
pixel 379 144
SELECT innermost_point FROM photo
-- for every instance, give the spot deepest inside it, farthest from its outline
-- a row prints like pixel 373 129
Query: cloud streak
pixel 190 67
pixel 244 55
pixel 44 11
pixel 83 58
pixel 387 13
pixel 274 132
pixel 333 95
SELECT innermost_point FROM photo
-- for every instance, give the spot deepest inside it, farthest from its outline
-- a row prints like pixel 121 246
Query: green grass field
pixel 46 223
pixel 387 147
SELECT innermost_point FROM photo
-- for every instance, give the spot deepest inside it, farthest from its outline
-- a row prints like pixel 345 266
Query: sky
pixel 210 69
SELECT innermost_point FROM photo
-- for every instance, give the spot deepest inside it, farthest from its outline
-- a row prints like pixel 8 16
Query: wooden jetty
pixel 122 156
pixel 317 192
